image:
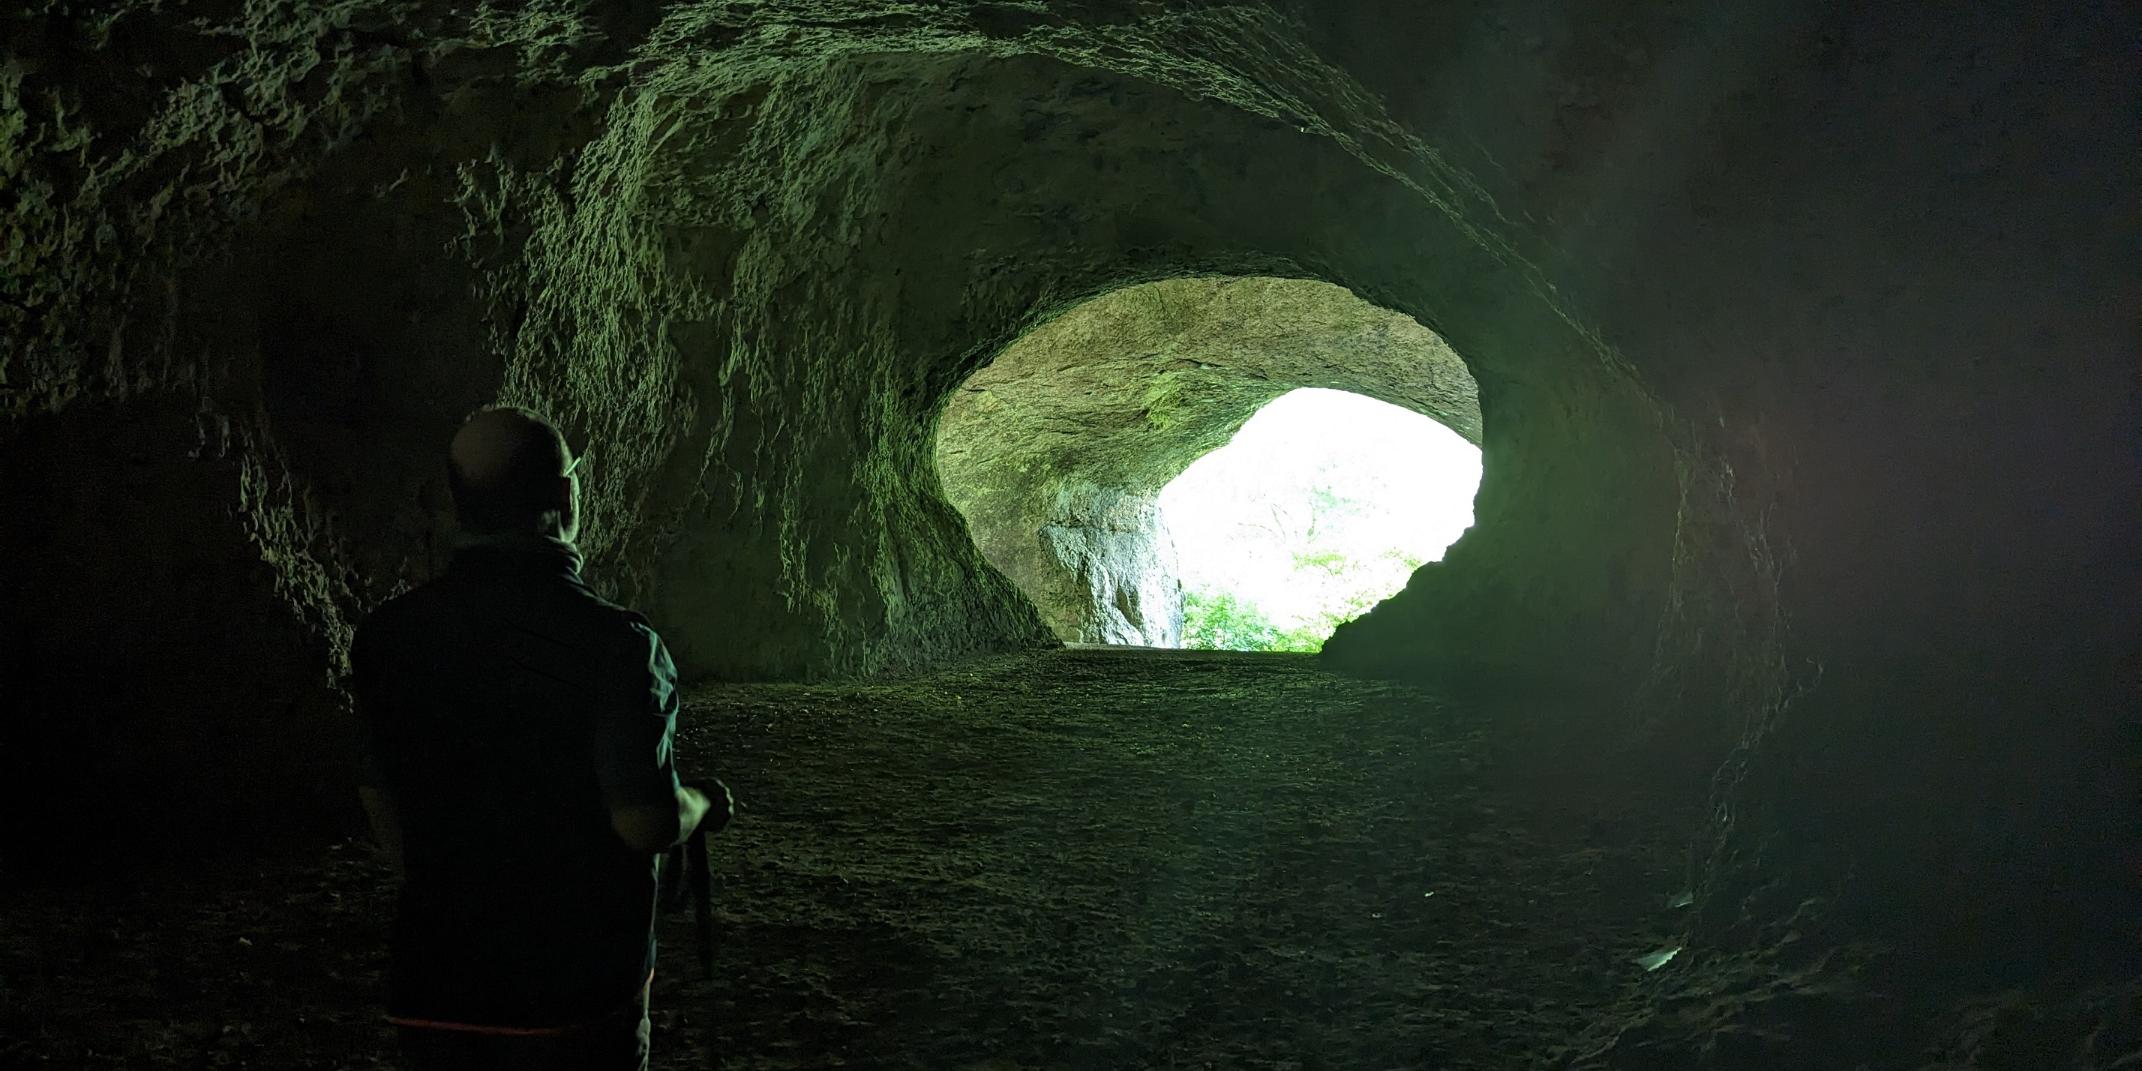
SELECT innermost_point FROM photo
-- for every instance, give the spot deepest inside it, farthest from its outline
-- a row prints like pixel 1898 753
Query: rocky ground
pixel 1078 859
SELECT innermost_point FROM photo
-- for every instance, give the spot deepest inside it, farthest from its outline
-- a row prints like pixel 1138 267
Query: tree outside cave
pixel 1319 508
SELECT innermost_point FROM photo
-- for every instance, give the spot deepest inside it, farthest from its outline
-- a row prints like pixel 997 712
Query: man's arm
pixel 652 829
pixel 386 823
pixel 372 791
pixel 650 809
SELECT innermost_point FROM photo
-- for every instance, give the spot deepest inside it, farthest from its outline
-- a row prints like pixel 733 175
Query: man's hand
pixel 716 805
pixel 656 828
pixel 706 805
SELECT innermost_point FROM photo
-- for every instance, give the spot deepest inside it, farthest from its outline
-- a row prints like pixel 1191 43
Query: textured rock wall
pixel 1057 452
pixel 741 255
pixel 1875 258
pixel 1108 570
pixel 1782 315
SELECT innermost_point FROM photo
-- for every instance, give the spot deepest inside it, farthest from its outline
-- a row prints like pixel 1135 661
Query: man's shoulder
pixel 597 606
pixel 397 613
pixel 607 617
pixel 567 612
pixel 625 630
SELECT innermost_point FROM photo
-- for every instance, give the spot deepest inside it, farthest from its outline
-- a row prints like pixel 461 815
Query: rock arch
pixel 1056 453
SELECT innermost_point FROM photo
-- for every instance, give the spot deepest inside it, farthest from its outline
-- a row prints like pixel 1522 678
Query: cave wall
pixel 746 285
pixel 1804 335
pixel 1879 262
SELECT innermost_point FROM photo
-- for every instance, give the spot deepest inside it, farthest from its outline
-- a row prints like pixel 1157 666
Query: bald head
pixel 508 469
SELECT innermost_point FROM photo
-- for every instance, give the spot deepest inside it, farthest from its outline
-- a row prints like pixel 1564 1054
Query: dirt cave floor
pixel 1073 859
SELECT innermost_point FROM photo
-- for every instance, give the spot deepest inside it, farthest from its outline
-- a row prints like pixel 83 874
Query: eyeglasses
pixel 572 468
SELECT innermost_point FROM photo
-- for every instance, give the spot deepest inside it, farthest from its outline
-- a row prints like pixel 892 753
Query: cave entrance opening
pixel 1059 452
pixel 1321 507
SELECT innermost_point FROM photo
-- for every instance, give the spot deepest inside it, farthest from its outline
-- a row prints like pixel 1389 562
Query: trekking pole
pixel 699 875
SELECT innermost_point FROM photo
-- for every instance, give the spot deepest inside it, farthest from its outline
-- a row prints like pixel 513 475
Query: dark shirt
pixel 508 710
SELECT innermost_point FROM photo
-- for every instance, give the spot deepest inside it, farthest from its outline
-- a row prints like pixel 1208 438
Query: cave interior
pixel 1778 711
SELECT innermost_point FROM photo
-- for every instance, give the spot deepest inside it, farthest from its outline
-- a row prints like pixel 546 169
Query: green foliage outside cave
pixel 1219 619
pixel 1322 506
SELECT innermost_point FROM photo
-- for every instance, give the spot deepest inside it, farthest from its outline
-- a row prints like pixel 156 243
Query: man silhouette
pixel 520 775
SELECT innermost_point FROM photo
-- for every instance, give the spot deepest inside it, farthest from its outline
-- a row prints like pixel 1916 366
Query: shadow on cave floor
pixel 1072 859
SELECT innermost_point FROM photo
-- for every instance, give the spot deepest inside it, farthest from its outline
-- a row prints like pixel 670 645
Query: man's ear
pixel 569 501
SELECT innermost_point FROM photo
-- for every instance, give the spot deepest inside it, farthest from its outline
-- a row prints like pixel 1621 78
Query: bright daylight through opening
pixel 1057 453
pixel 1319 508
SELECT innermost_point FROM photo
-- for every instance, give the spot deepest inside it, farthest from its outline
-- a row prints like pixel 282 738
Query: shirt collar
pixel 529 544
